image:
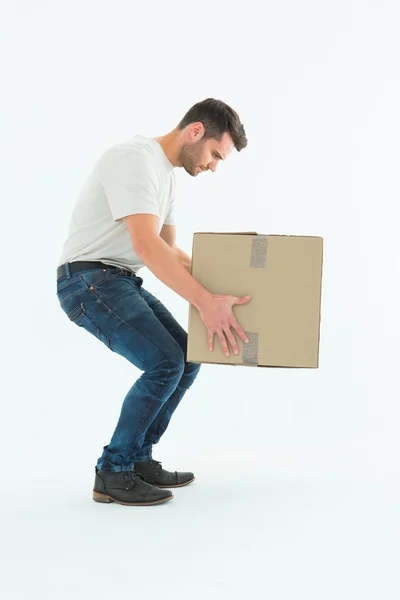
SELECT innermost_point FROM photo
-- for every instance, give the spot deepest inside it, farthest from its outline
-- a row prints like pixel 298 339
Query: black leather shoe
pixel 154 474
pixel 127 487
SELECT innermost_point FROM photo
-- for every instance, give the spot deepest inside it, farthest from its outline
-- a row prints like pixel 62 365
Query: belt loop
pixel 67 270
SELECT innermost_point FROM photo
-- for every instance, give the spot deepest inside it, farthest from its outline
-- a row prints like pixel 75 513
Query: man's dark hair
pixel 217 118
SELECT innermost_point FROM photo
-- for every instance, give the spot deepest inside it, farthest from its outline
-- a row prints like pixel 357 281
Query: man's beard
pixel 190 157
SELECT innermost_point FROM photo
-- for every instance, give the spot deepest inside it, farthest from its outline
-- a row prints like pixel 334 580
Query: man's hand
pixel 216 314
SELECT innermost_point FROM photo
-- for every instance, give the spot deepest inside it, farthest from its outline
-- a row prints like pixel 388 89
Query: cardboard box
pixel 283 276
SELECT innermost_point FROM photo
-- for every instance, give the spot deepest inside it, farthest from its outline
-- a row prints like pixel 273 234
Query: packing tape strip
pixel 258 261
pixel 250 350
pixel 259 251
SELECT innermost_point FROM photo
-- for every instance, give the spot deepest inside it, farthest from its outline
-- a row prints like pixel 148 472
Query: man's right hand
pixel 216 314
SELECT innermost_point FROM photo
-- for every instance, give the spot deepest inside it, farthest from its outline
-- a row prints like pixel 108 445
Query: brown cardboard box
pixel 283 276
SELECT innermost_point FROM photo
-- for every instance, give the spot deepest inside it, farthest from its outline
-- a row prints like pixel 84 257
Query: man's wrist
pixel 202 299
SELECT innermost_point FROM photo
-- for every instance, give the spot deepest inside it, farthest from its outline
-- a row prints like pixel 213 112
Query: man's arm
pixel 162 260
pixel 215 310
pixel 168 234
pixel 184 259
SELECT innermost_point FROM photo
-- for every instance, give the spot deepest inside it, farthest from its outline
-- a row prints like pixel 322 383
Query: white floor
pixel 241 534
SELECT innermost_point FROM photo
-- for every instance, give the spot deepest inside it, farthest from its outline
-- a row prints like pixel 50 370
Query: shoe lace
pixel 158 466
pixel 129 479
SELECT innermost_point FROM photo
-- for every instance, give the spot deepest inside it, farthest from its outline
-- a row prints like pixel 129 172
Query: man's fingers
pixel 224 345
pixel 240 332
pixel 232 340
pixel 210 340
pixel 241 299
pixel 223 340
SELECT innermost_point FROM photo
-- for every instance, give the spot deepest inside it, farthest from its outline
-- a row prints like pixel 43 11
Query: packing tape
pixel 250 350
pixel 258 251
pixel 257 261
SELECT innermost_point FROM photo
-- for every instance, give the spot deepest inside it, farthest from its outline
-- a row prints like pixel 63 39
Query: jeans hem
pixel 144 459
pixel 119 469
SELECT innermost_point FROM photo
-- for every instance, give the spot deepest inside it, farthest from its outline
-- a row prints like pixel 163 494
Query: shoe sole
pixel 106 499
pixel 174 486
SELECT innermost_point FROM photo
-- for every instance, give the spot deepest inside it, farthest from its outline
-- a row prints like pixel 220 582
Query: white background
pixel 297 471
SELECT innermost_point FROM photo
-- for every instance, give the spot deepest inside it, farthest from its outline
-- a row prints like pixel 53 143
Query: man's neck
pixel 171 146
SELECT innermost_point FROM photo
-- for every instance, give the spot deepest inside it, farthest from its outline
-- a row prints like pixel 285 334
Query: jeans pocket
pixel 79 316
pixel 69 287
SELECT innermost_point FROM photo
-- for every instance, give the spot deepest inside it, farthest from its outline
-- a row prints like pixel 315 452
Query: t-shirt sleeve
pixel 131 185
pixel 170 219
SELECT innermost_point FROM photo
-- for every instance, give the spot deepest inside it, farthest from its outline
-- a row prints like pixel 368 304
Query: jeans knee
pixel 190 373
pixel 176 364
pixel 170 366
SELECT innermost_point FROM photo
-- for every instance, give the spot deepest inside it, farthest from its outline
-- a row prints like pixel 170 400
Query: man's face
pixel 203 155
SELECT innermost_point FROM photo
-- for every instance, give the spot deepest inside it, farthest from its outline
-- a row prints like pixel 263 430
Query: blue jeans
pixel 113 306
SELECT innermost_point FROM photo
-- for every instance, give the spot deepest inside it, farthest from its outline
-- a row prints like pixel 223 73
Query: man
pixel 124 220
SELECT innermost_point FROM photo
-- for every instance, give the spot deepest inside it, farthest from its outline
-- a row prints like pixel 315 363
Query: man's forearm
pixel 184 259
pixel 163 261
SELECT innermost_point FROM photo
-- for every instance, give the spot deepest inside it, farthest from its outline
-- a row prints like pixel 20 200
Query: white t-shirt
pixel 134 177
